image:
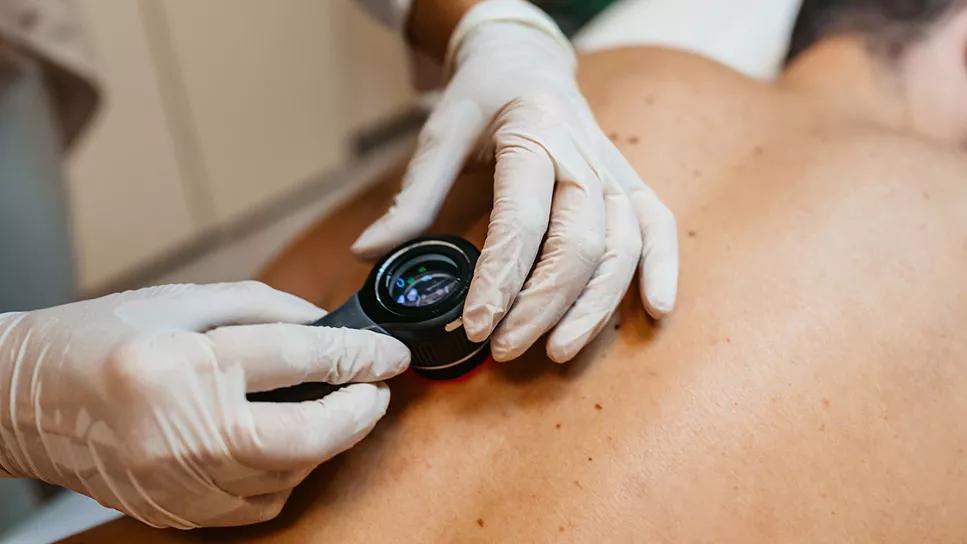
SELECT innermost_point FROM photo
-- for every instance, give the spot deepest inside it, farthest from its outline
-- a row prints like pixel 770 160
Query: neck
pixel 848 82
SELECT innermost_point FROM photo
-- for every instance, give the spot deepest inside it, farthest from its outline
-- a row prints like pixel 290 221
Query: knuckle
pixel 510 142
pixel 586 245
pixel 626 244
pixel 149 363
pixel 127 367
pixel 271 510
pixel 539 109
pixel 656 219
pixel 541 101
pixel 253 287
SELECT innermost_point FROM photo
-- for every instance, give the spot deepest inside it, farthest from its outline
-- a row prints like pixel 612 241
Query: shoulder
pixel 652 66
pixel 674 113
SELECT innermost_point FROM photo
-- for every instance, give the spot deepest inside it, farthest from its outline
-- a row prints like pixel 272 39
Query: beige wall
pixel 128 199
pixel 214 109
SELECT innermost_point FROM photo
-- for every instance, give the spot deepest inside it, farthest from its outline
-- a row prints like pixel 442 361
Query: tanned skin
pixel 432 22
pixel 811 385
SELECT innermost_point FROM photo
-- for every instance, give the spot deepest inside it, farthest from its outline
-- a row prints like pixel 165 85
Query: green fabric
pixel 572 15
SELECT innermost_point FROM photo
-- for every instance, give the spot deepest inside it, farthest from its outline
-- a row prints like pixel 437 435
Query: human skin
pixel 431 22
pixel 810 386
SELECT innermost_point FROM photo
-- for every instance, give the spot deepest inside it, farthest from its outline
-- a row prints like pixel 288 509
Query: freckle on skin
pixel 597 406
pixel 613 136
pixel 822 427
pixel 558 426
pixel 480 522
pixel 757 150
pixel 826 403
pixel 697 173
pixel 649 100
pixel 589 458
pixel 617 326
pixel 577 484
pixel 633 140
pixel 926 195
pixel 560 529
pixel 692 234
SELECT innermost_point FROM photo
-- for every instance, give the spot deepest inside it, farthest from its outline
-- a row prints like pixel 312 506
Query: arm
pixel 427 24
pixel 432 22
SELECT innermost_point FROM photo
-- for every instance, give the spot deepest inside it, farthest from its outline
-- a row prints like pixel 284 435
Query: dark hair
pixel 889 25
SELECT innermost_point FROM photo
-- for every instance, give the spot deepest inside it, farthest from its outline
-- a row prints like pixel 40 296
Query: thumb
pixel 445 142
pixel 279 355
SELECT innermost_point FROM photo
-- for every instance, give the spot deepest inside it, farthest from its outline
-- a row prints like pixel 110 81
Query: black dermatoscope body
pixel 415 294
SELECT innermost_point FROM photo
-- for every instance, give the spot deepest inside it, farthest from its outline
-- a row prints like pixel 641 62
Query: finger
pixel 264 483
pixel 444 145
pixel 296 435
pixel 608 285
pixel 572 251
pixel 523 189
pixel 280 355
pixel 202 307
pixel 249 510
pixel 658 277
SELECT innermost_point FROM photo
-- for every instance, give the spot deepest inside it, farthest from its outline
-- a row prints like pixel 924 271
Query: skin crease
pixel 808 388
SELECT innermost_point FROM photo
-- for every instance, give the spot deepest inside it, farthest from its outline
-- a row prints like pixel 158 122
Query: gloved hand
pixel 138 399
pixel 513 93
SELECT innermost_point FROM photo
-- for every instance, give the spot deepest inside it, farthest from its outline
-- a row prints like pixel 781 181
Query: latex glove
pixel 513 93
pixel 138 400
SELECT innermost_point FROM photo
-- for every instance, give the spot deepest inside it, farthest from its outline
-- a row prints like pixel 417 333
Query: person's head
pixel 923 43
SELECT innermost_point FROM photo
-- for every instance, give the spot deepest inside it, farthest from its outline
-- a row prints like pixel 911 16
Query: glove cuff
pixel 506 11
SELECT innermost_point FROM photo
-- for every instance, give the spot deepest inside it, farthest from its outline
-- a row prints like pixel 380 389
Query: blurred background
pixel 219 117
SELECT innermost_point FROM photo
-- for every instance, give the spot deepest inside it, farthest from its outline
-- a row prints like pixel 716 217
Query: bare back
pixel 811 386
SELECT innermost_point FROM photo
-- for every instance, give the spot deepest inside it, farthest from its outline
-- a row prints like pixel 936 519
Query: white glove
pixel 513 93
pixel 138 400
